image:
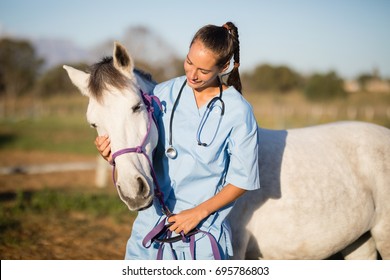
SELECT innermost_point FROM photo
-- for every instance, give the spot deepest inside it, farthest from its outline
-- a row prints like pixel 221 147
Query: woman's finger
pixel 102 144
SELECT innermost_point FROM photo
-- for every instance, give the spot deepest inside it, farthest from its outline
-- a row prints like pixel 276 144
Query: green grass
pixel 56 124
pixel 53 134
pixel 59 202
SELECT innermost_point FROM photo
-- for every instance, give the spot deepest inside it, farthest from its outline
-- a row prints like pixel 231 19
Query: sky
pixel 350 37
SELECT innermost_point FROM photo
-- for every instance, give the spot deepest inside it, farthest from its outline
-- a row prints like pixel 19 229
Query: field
pixel 57 215
pixel 63 215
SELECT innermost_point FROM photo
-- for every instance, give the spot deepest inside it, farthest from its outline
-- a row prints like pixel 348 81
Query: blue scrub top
pixel 199 172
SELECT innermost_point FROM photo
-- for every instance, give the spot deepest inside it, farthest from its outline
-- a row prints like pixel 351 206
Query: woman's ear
pixel 225 71
pixel 225 68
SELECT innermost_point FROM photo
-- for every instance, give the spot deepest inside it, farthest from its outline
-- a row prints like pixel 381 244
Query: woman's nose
pixel 192 74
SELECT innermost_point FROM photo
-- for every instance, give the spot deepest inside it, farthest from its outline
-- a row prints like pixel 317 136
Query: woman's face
pixel 200 67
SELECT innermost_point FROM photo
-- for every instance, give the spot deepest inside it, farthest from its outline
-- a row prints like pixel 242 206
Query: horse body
pixel 324 189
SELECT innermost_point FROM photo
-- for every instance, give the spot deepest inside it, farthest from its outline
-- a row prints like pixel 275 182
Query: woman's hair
pixel 223 41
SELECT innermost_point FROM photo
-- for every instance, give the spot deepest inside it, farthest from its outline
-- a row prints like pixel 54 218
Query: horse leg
pixel 381 235
pixel 362 249
pixel 252 249
pixel 239 232
pixel 240 245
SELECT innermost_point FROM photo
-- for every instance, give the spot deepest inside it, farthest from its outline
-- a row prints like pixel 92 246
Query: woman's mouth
pixel 192 82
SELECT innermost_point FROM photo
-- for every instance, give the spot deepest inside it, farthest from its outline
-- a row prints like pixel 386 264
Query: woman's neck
pixel 203 96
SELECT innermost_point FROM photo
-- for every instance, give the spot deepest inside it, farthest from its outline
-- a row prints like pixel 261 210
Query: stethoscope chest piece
pixel 171 152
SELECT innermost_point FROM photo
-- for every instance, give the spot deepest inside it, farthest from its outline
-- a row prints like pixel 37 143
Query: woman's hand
pixel 102 144
pixel 186 220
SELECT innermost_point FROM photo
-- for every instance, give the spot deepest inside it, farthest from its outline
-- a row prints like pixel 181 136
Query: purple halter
pixel 161 232
pixel 148 100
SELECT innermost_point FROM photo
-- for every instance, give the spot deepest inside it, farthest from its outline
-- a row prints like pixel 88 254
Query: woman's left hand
pixel 186 220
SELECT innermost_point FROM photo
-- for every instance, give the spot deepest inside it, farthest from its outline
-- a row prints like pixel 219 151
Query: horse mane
pixel 144 75
pixel 104 74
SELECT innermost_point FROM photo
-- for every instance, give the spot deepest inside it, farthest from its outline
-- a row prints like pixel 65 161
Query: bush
pixel 324 87
pixel 273 78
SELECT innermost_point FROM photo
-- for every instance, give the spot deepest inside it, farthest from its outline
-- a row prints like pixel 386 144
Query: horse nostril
pixel 142 187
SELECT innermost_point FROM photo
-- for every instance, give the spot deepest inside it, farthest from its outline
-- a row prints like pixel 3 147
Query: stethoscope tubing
pixel 171 151
pixel 173 113
pixel 203 122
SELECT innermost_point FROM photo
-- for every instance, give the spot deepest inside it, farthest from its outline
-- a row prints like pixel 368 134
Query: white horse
pixel 116 108
pixel 324 189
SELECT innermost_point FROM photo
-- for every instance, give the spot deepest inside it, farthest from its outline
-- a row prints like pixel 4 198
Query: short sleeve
pixel 243 171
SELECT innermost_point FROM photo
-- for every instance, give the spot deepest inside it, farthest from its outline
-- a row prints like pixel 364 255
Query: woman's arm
pixel 188 219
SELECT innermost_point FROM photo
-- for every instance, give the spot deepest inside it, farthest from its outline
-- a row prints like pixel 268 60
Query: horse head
pixel 116 108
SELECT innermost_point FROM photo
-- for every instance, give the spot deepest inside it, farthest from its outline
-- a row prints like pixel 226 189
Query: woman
pixel 214 161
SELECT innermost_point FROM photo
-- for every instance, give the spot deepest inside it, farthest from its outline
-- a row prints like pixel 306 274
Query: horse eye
pixel 93 125
pixel 136 108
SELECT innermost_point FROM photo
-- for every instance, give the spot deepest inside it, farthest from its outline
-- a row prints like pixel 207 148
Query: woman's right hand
pixel 102 144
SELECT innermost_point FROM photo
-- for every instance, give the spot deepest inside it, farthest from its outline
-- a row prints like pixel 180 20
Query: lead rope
pixel 162 235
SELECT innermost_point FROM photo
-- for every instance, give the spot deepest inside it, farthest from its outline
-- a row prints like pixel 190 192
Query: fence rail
pixel 100 166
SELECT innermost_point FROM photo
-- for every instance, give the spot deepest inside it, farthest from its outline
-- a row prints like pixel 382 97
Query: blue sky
pixel 348 36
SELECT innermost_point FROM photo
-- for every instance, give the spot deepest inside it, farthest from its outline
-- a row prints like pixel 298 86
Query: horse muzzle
pixel 143 197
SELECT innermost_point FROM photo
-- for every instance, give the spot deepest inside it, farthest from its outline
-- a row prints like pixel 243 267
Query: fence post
pixel 101 177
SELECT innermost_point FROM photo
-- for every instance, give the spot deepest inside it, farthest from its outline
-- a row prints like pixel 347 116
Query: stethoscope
pixel 171 152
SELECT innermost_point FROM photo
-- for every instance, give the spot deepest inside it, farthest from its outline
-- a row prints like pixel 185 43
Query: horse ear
pixel 79 79
pixel 122 60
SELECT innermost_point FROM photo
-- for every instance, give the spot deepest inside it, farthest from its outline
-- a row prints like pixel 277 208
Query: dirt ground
pixel 78 236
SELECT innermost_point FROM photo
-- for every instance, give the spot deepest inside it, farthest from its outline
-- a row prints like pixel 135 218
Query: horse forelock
pixel 104 75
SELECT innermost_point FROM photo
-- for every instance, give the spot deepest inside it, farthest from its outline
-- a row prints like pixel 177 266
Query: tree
pixel 56 82
pixel 322 87
pixel 286 79
pixel 19 67
pixel 262 78
pixel 364 78
pixel 272 78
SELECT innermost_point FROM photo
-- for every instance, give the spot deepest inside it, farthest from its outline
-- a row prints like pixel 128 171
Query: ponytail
pixel 234 76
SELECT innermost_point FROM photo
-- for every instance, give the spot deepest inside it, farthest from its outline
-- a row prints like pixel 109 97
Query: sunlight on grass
pixel 52 200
